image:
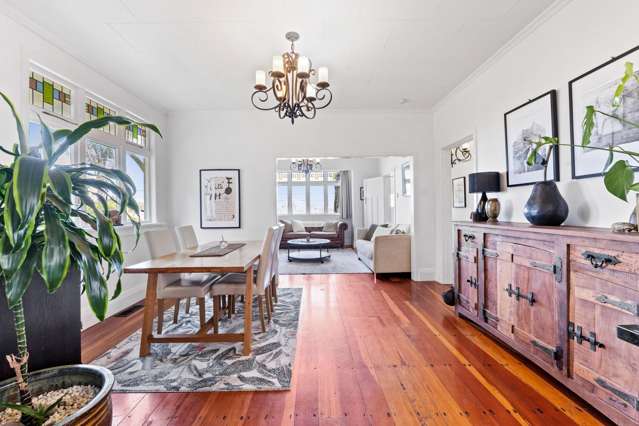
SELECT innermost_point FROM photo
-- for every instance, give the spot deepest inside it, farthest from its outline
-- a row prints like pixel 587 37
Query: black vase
pixel 546 206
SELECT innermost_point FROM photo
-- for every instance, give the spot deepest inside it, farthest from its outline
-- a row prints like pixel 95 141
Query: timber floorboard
pixel 385 353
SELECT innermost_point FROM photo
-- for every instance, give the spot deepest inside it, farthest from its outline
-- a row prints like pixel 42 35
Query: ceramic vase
pixel 546 206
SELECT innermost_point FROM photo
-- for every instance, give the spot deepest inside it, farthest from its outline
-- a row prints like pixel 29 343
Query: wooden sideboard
pixel 566 298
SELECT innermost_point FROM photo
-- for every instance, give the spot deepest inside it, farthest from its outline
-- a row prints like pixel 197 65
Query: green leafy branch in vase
pixel 53 219
pixel 619 178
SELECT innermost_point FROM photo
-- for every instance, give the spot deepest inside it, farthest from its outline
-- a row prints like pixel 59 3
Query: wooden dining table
pixel 241 260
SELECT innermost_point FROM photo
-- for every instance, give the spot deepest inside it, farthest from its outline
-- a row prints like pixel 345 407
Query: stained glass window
pixel 93 110
pixel 49 95
pixel 136 135
pixel 101 155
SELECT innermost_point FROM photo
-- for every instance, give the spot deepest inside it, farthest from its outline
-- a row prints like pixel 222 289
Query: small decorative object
pixel 634 216
pixel 483 182
pixel 308 237
pixel 115 217
pixel 407 179
pixel 525 124
pixel 493 207
pixel 546 206
pixel 459 192
pixel 623 227
pixel 361 193
pixel 292 95
pixel 223 244
pixel 220 198
pixel 460 154
pixel 596 91
pixel 449 297
pixel 305 165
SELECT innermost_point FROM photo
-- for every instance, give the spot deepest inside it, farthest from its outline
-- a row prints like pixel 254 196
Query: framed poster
pixel 361 193
pixel 597 88
pixel 220 198
pixel 524 125
pixel 459 192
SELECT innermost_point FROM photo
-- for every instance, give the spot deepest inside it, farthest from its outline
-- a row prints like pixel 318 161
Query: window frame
pixel 307 183
pixel 79 99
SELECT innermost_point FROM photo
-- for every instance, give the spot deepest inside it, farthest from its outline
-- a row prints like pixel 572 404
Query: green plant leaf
pixel 619 179
pixel 61 134
pixel 24 147
pixel 29 174
pixel 118 289
pixel 587 125
pixel 61 184
pixel 628 74
pixel 56 255
pixel 47 138
pixel 95 286
pixel 106 233
pixel 17 284
pixel 26 410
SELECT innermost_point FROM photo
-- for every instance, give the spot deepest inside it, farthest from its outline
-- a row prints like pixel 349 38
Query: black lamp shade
pixel 484 182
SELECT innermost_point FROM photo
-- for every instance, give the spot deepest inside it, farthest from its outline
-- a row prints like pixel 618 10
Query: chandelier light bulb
pixel 260 80
pixel 311 92
pixel 278 67
pixel 322 77
pixel 303 67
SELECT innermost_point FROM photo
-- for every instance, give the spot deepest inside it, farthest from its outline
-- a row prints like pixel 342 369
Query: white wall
pixel 360 168
pixel 252 140
pixel 578 36
pixel 401 205
pixel 20 46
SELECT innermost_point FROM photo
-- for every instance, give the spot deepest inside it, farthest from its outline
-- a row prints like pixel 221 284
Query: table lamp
pixel 482 182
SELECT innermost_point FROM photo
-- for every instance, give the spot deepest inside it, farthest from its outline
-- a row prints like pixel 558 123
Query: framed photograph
pixel 459 192
pixel 220 198
pixel 361 193
pixel 597 88
pixel 524 125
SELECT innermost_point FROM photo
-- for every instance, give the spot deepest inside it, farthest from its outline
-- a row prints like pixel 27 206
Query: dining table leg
pixel 248 311
pixel 149 306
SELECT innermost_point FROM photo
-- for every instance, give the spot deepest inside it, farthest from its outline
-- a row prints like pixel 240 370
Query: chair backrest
pixel 161 243
pixel 186 236
pixel 266 260
pixel 276 250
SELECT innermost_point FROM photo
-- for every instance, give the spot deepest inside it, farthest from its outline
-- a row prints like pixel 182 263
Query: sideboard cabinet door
pixel 467 283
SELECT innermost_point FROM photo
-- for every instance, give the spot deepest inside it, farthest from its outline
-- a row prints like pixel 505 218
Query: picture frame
pixel 459 192
pixel 523 124
pixel 596 87
pixel 220 199
pixel 361 193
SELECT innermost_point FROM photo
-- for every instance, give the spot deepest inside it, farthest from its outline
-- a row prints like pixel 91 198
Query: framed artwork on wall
pixel 220 198
pixel 523 125
pixel 459 192
pixel 597 88
pixel 361 193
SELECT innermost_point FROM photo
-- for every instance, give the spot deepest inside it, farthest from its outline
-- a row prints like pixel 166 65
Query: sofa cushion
pixel 364 248
pixel 288 225
pixel 298 226
pixel 322 234
pixel 330 227
pixel 381 230
pixel 370 232
pixel 292 235
pixel 400 229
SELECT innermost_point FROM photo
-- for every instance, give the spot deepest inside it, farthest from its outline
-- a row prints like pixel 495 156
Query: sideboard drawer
pixel 613 265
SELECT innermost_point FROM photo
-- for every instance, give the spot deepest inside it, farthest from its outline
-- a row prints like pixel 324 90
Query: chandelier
pixel 293 93
pixel 305 165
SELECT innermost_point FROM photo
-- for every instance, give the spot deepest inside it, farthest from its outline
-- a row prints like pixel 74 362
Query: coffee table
pixel 308 250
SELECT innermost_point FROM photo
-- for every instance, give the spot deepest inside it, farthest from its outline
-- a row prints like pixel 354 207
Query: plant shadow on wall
pixel 618 176
pixel 56 218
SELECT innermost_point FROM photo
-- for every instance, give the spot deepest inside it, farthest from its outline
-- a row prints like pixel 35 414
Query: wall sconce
pixel 460 154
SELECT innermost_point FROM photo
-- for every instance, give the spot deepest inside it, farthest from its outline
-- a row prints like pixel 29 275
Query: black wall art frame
pixel 596 87
pixel 527 122
pixel 459 192
pixel 220 199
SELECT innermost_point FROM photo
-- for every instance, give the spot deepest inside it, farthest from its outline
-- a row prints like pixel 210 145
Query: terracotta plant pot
pixel 97 412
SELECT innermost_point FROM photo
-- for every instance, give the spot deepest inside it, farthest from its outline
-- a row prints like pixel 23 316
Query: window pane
pixel 316 176
pixel 101 155
pixel 298 199
pixel 282 199
pixel 331 176
pixel 282 176
pixel 333 199
pixel 298 177
pixel 93 110
pixel 35 144
pixel 317 199
pixel 136 135
pixel 49 95
pixel 136 169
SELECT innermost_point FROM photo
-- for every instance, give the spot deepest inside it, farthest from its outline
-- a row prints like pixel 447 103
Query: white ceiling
pixel 202 54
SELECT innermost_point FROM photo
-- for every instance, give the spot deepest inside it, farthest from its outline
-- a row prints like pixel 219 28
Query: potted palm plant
pixel 54 219
pixel 618 175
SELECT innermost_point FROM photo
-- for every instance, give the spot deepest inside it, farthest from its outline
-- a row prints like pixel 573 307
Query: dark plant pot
pixel 97 412
pixel 546 206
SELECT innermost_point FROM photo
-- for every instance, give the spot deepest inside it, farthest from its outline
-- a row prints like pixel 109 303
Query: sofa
pixel 384 253
pixel 336 238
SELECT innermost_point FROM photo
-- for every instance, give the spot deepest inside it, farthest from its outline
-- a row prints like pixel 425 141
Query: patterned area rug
pixel 342 261
pixel 195 367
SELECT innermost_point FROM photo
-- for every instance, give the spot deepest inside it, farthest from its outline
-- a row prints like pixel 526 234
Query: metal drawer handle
pixel 472 281
pixel 576 332
pixel 630 399
pixel 629 333
pixel 633 308
pixel 530 297
pixel 469 237
pixel 552 353
pixel 600 260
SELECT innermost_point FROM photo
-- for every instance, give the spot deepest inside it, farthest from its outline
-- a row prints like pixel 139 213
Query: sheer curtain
pixel 345 202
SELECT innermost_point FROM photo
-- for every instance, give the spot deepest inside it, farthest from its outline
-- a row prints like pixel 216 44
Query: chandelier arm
pixel 324 98
pixel 310 108
pixel 262 97
pixel 282 111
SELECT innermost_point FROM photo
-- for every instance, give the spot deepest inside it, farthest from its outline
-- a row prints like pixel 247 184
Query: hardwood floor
pixel 369 354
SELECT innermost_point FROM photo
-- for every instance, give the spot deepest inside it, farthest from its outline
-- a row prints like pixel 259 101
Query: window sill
pixel 127 230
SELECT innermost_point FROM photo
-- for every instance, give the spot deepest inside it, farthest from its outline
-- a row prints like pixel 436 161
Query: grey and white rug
pixel 195 367
pixel 342 261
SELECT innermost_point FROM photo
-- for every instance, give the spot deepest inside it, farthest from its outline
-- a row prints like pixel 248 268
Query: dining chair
pixel 275 273
pixel 234 284
pixel 188 241
pixel 161 243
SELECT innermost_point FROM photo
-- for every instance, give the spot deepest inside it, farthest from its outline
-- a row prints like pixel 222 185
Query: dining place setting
pixel 213 318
